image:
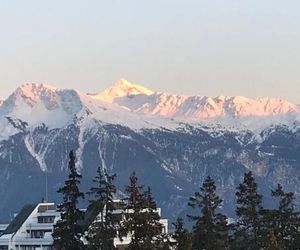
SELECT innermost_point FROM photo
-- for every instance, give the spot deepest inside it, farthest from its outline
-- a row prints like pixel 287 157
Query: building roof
pixel 90 215
pixel 18 221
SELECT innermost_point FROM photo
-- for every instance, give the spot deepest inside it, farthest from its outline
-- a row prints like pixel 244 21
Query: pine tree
pixel 67 232
pixel 210 231
pixel 249 208
pixel 181 236
pixel 284 220
pixel 102 231
pixel 141 218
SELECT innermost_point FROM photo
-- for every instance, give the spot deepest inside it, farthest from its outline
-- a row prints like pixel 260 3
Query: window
pixel 46 219
pixel 33 247
pixel 44 208
pixel 116 218
pixel 37 234
pixel 118 205
pixel 48 248
pixel 23 247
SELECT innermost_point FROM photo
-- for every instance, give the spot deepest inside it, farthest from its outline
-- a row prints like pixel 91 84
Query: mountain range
pixel 126 99
pixel 172 141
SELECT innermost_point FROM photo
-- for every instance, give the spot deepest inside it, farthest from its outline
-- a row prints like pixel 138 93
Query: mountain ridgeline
pixel 172 142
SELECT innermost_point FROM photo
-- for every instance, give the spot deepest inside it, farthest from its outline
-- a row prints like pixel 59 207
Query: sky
pixel 212 47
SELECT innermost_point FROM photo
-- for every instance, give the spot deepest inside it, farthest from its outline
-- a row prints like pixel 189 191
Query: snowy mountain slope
pixel 121 88
pixel 173 142
pixel 39 103
pixel 43 104
pixel 138 107
pixel 255 114
pixel 197 108
pixel 172 162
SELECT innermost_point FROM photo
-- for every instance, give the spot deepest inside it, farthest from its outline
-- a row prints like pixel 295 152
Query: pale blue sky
pixel 213 47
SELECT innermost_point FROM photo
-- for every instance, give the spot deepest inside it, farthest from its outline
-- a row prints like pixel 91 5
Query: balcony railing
pixel 35 225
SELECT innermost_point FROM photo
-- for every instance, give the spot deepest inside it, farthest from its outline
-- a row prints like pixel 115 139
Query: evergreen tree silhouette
pixel 181 236
pixel 102 230
pixel 210 230
pixel 249 222
pixel 141 217
pixel 67 232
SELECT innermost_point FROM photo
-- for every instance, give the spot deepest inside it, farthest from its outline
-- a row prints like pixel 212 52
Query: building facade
pixel 32 228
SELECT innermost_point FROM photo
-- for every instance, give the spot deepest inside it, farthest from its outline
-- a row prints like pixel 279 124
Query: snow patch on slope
pixel 38 157
pixel 86 131
pixel 7 129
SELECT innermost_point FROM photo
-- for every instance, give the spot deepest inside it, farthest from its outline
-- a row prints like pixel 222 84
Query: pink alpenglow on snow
pixel 138 107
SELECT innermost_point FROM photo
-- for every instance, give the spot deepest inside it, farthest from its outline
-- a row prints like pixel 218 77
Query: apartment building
pixel 32 228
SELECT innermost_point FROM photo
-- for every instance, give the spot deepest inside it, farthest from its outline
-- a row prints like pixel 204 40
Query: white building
pixel 32 228
pixel 126 240
pixel 118 217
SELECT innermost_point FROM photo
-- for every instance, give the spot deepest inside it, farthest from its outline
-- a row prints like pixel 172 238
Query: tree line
pixel 98 226
pixel 253 228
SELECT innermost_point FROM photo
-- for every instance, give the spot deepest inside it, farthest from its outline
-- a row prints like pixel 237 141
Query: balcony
pixel 39 226
pixel 33 241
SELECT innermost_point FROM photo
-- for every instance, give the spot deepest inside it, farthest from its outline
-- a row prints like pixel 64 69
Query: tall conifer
pixel 67 232
pixel 248 232
pixel 210 230
pixel 141 217
pixel 102 230
pixel 181 236
pixel 283 220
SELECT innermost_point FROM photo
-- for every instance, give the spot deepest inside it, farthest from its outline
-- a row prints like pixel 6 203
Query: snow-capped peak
pixel 37 103
pixel 120 89
pixel 35 88
pixel 127 103
pixel 30 94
